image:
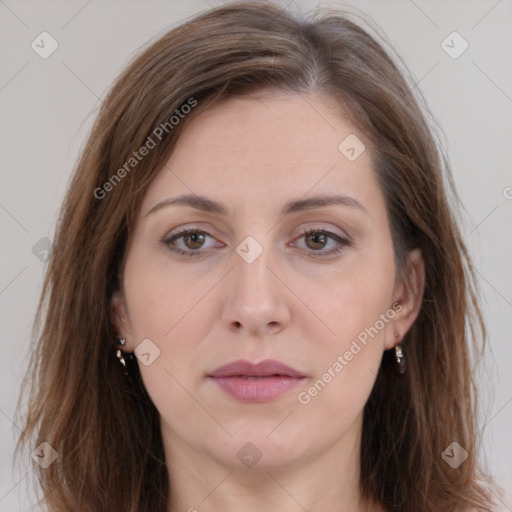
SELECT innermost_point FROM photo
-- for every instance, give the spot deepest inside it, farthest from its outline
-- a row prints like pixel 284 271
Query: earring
pixel 400 356
pixel 120 353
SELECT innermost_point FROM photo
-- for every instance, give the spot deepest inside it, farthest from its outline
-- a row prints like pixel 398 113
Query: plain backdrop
pixel 47 107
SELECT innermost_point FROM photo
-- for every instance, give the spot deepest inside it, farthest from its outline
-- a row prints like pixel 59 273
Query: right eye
pixel 187 242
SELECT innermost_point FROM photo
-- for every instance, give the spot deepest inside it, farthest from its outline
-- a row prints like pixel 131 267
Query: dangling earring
pixel 400 356
pixel 120 353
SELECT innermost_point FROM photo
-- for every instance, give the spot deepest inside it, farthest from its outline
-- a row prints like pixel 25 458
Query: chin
pixel 253 449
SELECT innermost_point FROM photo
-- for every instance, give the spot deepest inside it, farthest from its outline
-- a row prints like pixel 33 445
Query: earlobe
pixel 409 296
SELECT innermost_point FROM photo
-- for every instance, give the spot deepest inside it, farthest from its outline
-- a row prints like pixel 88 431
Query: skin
pixel 254 154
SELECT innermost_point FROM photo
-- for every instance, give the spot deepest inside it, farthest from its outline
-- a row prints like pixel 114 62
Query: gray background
pixel 47 107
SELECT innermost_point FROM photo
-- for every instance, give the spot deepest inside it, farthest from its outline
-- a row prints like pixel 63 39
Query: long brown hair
pixel 103 425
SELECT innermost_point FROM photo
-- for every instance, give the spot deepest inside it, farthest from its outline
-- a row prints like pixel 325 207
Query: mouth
pixel 266 368
pixel 248 382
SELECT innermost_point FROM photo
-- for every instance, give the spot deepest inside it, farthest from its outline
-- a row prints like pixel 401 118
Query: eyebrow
pixel 205 204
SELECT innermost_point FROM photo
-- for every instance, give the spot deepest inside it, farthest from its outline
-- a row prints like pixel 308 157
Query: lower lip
pixel 261 389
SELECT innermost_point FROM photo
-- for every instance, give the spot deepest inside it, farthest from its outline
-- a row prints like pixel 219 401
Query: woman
pixel 258 291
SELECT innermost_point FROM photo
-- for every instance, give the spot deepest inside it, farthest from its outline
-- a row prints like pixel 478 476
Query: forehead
pixel 307 125
pixel 266 145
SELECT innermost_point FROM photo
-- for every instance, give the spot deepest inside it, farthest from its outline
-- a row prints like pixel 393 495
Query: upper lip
pixel 266 368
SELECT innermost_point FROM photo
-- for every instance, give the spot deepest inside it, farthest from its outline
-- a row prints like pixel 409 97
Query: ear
pixel 120 317
pixel 408 298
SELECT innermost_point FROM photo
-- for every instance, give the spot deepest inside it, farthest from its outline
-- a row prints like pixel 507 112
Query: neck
pixel 324 481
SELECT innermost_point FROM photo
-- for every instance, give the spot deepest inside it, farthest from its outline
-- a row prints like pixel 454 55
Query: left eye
pixel 318 239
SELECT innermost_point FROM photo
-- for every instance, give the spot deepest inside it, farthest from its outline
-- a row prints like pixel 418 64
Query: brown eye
pixel 322 243
pixel 194 239
pixel 316 240
pixel 190 242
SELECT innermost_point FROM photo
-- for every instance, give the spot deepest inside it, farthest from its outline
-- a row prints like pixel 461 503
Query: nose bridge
pixel 251 261
pixel 256 300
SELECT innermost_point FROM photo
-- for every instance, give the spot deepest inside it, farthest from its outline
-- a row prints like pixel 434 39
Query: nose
pixel 257 299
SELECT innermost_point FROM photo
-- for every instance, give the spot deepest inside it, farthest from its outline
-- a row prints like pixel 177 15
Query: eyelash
pixel 342 242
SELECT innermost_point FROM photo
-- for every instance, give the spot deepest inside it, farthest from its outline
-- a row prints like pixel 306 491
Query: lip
pixel 260 382
pixel 266 368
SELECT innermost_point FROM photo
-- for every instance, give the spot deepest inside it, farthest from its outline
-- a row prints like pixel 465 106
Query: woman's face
pixel 246 283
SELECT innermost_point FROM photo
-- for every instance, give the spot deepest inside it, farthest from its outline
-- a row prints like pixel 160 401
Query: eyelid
pixel 325 229
pixel 343 241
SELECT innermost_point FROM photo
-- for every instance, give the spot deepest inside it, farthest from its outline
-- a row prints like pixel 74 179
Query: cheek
pixel 174 315
pixel 347 363
pixel 356 306
pixel 174 310
pixel 164 296
pixel 352 299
